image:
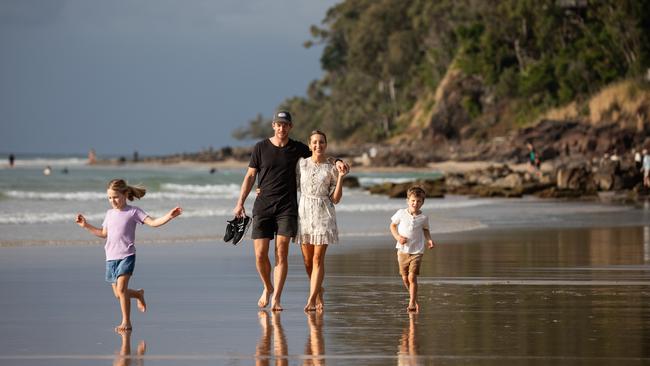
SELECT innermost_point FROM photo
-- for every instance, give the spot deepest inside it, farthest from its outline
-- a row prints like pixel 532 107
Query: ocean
pixel 38 209
pixel 510 281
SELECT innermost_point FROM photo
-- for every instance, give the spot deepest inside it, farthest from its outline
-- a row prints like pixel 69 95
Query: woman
pixel 321 187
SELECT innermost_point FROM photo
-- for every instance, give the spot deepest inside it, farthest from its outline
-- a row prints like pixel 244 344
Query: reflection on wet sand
pixel 646 244
pixel 271 328
pixel 123 357
pixel 315 345
pixel 407 353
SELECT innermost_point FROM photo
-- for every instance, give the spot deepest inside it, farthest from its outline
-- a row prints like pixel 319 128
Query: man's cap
pixel 282 116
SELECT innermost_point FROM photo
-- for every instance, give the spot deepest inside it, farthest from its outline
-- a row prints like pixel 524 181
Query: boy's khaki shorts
pixel 409 263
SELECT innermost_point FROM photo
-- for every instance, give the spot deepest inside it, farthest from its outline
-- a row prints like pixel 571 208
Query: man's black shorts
pixel 266 227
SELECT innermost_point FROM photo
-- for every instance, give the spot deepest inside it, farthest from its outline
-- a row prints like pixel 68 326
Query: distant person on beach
pixel 12 158
pixel 638 160
pixel 92 157
pixel 410 227
pixel 47 170
pixel 646 168
pixel 275 211
pixel 118 229
pixel 321 187
pixel 533 158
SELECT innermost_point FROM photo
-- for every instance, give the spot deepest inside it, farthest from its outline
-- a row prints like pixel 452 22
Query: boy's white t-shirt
pixel 411 227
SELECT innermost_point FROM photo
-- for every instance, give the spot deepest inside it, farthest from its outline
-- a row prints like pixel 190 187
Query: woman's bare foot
pixel 123 328
pixel 142 305
pixel 275 305
pixel 264 299
pixel 320 304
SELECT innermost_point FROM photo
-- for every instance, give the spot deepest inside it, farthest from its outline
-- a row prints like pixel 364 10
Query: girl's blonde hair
pixel 131 192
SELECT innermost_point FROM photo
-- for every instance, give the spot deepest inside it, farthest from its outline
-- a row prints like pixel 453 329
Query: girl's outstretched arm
pixel 174 212
pixel 81 221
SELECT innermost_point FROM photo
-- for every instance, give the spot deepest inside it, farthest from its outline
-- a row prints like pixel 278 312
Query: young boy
pixel 410 227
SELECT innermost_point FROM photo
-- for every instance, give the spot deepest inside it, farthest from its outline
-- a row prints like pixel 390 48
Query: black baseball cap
pixel 282 116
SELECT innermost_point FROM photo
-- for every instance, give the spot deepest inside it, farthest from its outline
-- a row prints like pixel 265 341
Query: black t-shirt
pixel 276 176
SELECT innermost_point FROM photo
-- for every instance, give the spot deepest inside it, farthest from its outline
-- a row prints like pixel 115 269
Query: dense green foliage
pixel 380 56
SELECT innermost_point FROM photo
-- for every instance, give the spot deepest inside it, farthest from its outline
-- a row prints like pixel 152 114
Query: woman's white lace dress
pixel 316 215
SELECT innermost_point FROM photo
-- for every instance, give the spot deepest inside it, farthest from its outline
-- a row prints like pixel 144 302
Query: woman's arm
pixel 174 212
pixel 81 221
pixel 338 190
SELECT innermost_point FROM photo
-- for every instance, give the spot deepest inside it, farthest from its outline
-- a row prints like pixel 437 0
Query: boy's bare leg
pixel 413 293
pixel 280 269
pixel 405 281
pixel 263 269
pixel 121 291
pixel 318 274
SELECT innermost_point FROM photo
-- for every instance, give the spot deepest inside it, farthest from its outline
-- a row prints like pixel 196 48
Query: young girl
pixel 119 230
pixel 320 189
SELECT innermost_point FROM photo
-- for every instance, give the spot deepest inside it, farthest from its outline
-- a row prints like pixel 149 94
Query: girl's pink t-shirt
pixel 120 228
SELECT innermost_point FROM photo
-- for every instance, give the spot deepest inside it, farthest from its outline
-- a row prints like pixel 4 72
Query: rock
pixel 512 181
pixel 351 182
pixel 574 177
pixel 604 181
pixel 433 188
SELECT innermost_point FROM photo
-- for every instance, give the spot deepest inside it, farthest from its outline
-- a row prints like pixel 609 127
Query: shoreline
pixel 448 166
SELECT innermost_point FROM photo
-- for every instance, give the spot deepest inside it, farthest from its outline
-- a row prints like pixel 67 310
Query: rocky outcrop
pixel 433 188
pixel 577 180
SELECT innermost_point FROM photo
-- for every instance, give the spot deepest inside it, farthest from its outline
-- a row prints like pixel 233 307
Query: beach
pixel 510 282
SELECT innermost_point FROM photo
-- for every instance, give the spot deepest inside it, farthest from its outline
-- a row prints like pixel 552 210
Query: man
pixel 275 211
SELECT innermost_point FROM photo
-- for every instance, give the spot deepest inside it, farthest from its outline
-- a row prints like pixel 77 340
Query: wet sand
pixel 490 297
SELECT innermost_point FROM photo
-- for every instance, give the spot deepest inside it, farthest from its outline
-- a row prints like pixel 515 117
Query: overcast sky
pixel 157 76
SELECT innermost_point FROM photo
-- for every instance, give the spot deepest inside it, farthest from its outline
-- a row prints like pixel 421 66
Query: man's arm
pixel 246 186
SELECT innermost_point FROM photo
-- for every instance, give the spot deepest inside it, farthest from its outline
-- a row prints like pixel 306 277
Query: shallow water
pixel 494 297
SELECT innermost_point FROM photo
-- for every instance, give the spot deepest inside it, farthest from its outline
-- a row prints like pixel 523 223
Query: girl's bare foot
pixel 142 305
pixel 309 307
pixel 123 328
pixel 264 299
pixel 142 348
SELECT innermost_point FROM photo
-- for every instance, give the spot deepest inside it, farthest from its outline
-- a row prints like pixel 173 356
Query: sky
pixel 156 76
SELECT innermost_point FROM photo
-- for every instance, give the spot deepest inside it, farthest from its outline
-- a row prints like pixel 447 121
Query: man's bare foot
pixel 123 328
pixel 142 305
pixel 276 306
pixel 309 307
pixel 264 299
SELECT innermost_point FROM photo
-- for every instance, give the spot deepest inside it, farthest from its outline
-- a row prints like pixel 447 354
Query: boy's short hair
pixel 416 191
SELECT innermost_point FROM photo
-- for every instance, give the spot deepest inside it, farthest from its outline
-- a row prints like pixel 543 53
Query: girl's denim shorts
pixel 119 267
